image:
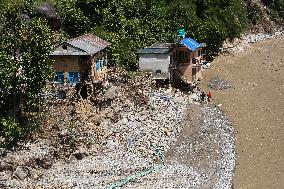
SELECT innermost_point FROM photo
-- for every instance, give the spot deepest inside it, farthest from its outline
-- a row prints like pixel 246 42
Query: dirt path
pixel 255 106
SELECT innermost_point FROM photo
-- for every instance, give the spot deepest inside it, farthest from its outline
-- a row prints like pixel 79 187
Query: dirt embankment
pixel 255 106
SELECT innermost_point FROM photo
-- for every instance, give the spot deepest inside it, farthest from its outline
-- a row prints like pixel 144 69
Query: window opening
pixel 182 55
pixel 59 77
pixel 98 65
pixel 73 77
pixel 199 52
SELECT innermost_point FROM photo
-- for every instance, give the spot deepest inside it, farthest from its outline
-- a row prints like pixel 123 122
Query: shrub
pixel 10 130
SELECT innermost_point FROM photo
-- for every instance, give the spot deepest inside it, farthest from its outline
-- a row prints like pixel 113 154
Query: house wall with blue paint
pixel 81 60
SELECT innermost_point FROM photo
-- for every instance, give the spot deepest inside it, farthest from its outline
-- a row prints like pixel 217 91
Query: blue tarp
pixel 191 44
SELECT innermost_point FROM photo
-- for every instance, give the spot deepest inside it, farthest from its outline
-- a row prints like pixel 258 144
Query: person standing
pixel 202 97
pixel 209 96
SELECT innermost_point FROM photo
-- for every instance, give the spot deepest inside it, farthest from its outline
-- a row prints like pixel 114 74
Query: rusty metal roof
pixel 86 45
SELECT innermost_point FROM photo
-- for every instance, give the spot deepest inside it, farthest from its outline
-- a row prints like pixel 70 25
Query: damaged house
pixel 177 62
pixel 81 62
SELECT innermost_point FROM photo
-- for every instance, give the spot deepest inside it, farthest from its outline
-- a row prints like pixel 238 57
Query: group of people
pixel 205 97
pixel 201 96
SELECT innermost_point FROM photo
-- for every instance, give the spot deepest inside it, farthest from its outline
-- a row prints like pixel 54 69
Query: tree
pixel 24 50
pixel 74 22
pixel 24 65
pixel 278 6
pixel 133 24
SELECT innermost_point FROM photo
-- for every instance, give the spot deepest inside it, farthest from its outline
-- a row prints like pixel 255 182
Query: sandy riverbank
pixel 255 106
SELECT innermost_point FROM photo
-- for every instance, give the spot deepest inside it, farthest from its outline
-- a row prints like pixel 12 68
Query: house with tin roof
pixel 82 62
pixel 156 60
pixel 179 62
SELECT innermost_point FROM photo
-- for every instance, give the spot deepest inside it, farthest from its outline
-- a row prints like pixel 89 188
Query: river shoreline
pixel 255 106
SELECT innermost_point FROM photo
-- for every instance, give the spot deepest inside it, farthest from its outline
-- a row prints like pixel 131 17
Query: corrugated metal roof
pixel 162 45
pixel 160 48
pixel 153 51
pixel 88 44
pixel 191 44
pixel 68 53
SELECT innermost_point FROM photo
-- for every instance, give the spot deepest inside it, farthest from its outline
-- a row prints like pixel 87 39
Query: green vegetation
pixel 133 24
pixel 26 37
pixel 254 12
pixel 24 65
pixel 10 130
pixel 278 7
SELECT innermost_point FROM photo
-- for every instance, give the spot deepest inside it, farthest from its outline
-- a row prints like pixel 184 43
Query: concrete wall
pixel 72 64
pixel 185 67
pixel 186 71
pixel 153 62
pixel 198 72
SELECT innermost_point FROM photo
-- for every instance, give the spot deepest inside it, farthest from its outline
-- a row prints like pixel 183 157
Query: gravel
pixel 123 160
pixel 242 43
pixel 219 84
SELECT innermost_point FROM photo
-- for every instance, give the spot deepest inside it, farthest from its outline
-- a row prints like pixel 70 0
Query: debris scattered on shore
pixel 219 84
pixel 100 146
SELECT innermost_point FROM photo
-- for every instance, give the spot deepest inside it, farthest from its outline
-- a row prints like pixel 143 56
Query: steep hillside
pixel 264 15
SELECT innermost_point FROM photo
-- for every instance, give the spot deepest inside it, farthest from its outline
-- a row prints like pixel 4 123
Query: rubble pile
pixel 205 153
pixel 72 123
pixel 86 146
pixel 218 84
pixel 122 159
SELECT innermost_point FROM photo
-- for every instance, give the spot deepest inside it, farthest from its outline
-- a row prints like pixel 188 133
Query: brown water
pixel 255 106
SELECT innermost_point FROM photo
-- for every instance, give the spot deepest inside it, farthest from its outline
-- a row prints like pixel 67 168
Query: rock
pixel 240 45
pixel 167 132
pixel 195 97
pixel 132 131
pixel 4 176
pixel 81 152
pixel 204 66
pixel 2 139
pixel 208 65
pixel 6 167
pixel 22 172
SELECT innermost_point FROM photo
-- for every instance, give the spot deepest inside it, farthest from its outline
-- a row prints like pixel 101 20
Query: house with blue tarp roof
pixel 180 62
